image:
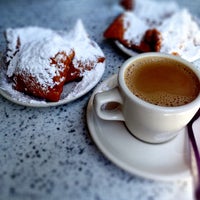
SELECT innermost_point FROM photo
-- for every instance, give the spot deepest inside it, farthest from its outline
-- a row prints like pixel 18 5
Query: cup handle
pixel 103 98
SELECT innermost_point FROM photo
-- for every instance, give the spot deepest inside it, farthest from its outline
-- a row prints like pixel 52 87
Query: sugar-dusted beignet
pixel 40 61
pixel 38 65
pixel 133 33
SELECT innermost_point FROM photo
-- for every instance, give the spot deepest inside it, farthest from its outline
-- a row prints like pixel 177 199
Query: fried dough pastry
pixel 25 81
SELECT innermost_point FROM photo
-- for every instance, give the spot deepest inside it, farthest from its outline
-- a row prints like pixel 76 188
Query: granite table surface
pixel 47 153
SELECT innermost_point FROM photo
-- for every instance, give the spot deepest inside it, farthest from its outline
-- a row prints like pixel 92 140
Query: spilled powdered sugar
pixel 37 46
pixel 180 32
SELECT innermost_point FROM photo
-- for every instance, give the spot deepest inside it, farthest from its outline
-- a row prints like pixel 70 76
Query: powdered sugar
pixel 154 12
pixel 33 56
pixel 181 35
pixel 130 21
pixel 180 32
pixel 86 49
pixel 37 46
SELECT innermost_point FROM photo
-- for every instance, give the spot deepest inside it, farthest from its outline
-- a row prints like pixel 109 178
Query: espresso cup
pixel 157 95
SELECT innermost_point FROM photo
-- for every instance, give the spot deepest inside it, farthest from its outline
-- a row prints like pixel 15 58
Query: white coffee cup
pixel 147 121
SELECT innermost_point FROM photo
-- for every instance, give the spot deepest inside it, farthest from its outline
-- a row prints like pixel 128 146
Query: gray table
pixel 47 153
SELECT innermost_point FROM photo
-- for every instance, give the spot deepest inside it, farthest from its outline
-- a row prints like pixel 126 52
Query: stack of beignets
pixel 156 26
pixel 40 61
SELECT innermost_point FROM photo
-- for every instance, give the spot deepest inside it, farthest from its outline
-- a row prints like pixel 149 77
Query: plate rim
pixel 124 49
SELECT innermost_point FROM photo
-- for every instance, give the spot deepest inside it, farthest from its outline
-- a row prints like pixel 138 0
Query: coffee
pixel 163 82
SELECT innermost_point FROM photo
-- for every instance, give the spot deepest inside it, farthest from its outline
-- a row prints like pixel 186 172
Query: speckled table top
pixel 47 153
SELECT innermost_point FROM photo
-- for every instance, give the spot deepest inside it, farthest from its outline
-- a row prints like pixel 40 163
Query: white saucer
pixel 71 91
pixel 168 161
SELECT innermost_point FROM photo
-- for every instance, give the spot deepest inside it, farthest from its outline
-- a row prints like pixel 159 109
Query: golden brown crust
pixel 151 41
pixel 115 30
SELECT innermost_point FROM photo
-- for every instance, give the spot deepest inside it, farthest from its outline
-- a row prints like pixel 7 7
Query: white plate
pixel 168 161
pixel 126 50
pixel 71 91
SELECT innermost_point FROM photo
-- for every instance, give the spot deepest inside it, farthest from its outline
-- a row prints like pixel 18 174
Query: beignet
pixel 38 66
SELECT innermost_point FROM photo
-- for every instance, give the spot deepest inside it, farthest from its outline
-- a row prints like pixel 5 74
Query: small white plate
pixel 71 91
pixel 168 161
pixel 126 50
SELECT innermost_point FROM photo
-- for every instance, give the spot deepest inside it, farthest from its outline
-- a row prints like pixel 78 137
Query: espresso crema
pixel 162 82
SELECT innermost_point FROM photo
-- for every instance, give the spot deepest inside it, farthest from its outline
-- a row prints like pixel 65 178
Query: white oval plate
pixel 71 91
pixel 168 161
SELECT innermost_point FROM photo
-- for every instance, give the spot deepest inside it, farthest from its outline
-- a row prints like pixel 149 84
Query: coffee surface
pixel 162 82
